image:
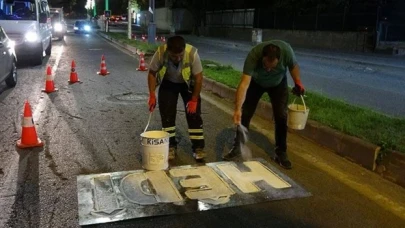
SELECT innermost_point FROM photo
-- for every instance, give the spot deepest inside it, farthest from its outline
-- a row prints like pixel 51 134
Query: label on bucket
pixel 156 159
pixel 157 141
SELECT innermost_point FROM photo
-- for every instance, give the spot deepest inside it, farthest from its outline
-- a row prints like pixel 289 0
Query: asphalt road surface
pixel 94 127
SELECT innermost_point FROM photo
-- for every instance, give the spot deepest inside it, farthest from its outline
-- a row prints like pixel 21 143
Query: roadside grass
pixel 379 129
pixel 143 46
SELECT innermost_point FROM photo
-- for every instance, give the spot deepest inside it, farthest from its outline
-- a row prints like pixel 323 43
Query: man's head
pixel 175 48
pixel 271 56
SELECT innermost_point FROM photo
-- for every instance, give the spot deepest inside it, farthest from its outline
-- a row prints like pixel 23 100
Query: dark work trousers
pixel 279 99
pixel 167 98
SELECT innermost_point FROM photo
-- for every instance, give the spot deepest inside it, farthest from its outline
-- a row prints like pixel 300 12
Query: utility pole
pixel 94 9
pixel 107 18
pixel 129 17
pixel 152 25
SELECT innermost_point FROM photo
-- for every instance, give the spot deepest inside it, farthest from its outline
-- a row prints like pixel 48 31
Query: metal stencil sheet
pixel 111 197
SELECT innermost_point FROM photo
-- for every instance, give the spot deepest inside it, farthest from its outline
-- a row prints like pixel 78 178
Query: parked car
pixel 82 26
pixel 8 60
pixel 59 26
pixel 27 22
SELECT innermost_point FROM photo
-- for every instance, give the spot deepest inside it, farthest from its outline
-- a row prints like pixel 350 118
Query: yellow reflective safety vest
pixel 188 58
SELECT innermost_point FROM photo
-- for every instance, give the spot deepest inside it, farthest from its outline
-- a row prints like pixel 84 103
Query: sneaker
pixel 172 153
pixel 233 153
pixel 199 154
pixel 283 161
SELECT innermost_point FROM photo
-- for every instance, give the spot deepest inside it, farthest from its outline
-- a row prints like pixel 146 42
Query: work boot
pixel 233 153
pixel 282 159
pixel 172 153
pixel 199 154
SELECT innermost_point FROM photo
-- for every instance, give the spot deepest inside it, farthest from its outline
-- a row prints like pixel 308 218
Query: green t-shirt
pixel 254 67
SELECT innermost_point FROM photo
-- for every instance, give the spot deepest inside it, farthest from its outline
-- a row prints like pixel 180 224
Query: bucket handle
pixel 147 125
pixel 302 98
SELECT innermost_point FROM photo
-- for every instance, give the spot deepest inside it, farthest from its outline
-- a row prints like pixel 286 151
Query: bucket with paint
pixel 155 150
pixel 297 115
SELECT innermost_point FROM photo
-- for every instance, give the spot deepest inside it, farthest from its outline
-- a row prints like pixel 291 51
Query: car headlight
pixel 11 44
pixel 87 28
pixel 58 27
pixel 31 36
pixel 75 28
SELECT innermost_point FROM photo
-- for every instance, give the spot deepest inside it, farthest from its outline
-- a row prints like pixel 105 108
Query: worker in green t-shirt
pixel 265 70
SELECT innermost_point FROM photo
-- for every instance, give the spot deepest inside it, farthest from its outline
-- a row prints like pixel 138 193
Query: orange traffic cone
pixel 49 84
pixel 73 74
pixel 103 67
pixel 29 136
pixel 142 64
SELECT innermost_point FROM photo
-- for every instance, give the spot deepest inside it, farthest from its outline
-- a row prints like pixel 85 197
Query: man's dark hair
pixel 176 44
pixel 271 51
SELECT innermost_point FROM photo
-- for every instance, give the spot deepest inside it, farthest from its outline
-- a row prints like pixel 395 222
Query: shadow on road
pixel 26 211
pixel 224 142
pixel 4 88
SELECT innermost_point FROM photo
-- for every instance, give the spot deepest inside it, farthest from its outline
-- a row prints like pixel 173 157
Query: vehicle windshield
pixel 18 10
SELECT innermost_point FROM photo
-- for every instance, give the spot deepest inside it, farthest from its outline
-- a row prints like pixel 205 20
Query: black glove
pixel 298 89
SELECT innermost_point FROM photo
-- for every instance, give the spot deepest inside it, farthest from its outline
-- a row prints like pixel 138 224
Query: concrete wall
pixel 347 41
pixel 163 18
pixel 181 19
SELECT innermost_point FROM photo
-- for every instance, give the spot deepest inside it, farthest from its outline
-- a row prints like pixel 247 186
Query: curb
pixel 247 47
pixel 132 49
pixel 361 152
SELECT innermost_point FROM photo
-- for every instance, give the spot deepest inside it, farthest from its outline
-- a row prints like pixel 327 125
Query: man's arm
pixel 154 66
pixel 295 73
pixel 240 98
pixel 197 85
pixel 197 72
pixel 298 89
pixel 294 69
pixel 241 91
pixel 152 81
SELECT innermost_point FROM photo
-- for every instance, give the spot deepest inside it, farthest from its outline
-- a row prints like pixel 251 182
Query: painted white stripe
pixel 28 122
pixel 49 77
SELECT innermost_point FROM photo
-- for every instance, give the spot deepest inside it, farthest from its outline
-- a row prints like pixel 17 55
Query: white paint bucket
pixel 155 150
pixel 297 115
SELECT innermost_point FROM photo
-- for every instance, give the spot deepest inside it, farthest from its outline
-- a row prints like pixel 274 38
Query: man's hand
pixel 192 105
pixel 237 116
pixel 152 102
pixel 298 89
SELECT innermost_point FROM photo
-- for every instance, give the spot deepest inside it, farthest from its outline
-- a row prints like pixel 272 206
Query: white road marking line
pixel 42 102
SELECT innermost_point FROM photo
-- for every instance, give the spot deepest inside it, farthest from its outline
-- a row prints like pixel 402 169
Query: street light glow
pixel 89 4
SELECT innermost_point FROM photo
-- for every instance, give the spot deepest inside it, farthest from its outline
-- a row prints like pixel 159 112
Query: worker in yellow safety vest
pixel 176 68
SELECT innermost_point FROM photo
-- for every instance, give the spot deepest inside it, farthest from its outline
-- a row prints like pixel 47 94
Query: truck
pixel 28 24
pixel 59 26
